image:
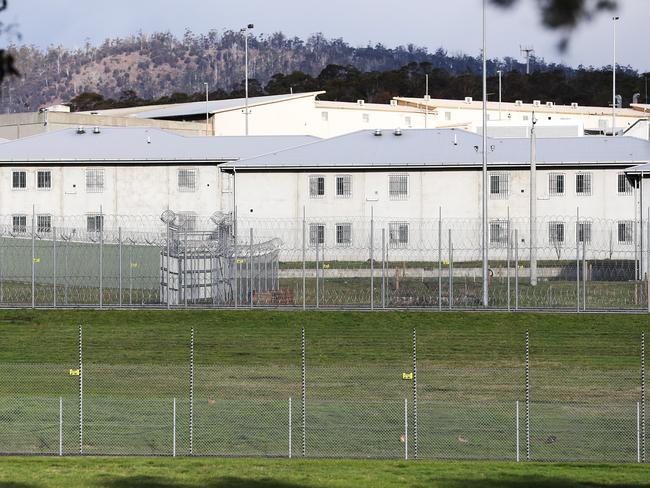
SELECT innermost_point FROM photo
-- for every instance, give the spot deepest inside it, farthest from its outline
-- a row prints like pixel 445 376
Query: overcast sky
pixel 452 24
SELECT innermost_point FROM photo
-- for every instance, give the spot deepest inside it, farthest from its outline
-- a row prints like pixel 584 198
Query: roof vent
pixel 469 99
pixel 427 98
pixel 455 140
pixel 148 139
pixel 393 103
pixel 96 130
pixel 377 132
pixel 519 103
pixel 398 132
pixel 537 103
pixel 550 104
pixel 361 103
pixel 81 130
pixel 574 105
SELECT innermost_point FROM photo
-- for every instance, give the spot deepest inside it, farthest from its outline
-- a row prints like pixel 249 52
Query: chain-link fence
pixel 422 394
pixel 178 260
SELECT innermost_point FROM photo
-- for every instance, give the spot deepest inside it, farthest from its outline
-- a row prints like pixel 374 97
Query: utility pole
pixel 207 111
pixel 245 31
pixel 614 21
pixel 527 52
pixel 500 73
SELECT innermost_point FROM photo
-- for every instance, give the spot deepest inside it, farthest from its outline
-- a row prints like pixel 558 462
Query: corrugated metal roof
pixel 446 147
pixel 198 108
pixel 133 144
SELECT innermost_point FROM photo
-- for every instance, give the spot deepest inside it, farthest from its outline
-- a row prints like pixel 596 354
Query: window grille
pixel 94 180
pixel 556 232
pixel 187 179
pixel 44 179
pixel 583 184
pixel 499 186
pixel 19 223
pixel 316 186
pixel 344 186
pixel 407 121
pixel 398 187
pixel 625 232
pixel 19 179
pixel 584 232
pixel 499 233
pixel 94 223
pixel 316 234
pixel 447 115
pixel 325 116
pixel 365 118
pixel 398 234
pixel 624 185
pixel 556 184
pixel 343 234
pixel 43 224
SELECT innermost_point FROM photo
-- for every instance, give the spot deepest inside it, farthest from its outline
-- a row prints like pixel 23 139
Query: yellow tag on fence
pixel 445 262
pixel 240 261
pixel 74 372
pixel 37 260
pixel 135 265
pixel 407 376
pixel 326 266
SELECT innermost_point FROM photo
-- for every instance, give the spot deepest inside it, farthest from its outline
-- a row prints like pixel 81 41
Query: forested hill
pixel 153 66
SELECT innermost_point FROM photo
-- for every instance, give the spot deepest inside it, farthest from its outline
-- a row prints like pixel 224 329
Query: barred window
pixel 499 233
pixel 447 115
pixel 398 234
pixel 344 186
pixel 325 116
pixel 316 186
pixel 187 221
pixel 19 223
pixel 43 223
pixel 316 234
pixel 499 186
pixel 19 179
pixel 407 121
pixel 624 185
pixel 556 232
pixel 365 118
pixel 94 223
pixel 556 184
pixel 625 231
pixel 583 184
pixel 44 179
pixel 94 180
pixel 584 232
pixel 343 234
pixel 187 179
pixel 398 187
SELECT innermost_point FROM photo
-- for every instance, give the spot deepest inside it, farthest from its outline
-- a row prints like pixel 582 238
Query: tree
pixel 7 66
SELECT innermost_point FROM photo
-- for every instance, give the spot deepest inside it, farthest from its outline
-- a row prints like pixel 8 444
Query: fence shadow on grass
pixel 532 481
pixel 224 482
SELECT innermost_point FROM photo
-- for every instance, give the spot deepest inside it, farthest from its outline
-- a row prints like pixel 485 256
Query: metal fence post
pixel 584 272
pixel 578 260
pixel 638 432
pixel 527 384
pixel 167 261
pixel 250 269
pixel 516 269
pixel 508 248
pixel 439 258
pixel 415 395
pixel 647 276
pixel 372 258
pixel 406 429
pixel 303 389
pixel 643 419
pixel 290 428
pixel 191 426
pixel 60 426
pixel 517 429
pixel 383 268
pixel 317 268
pixel 54 266
pixel 185 270
pixel 451 273
pixel 304 250
pixel 33 260
pixel 174 428
pixel 119 276
pixel 235 258
pixel 81 391
pixel 101 257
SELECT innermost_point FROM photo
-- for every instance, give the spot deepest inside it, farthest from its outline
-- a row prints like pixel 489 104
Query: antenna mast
pixel 527 52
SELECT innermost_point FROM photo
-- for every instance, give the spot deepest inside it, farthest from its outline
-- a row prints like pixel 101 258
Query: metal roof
pixel 198 108
pixel 446 147
pixel 134 144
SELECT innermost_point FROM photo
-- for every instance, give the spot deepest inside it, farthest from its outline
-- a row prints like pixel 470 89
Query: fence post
pixel 383 268
pixel 101 257
pixel 60 426
pixel 167 261
pixel 33 260
pixel 303 390
pixel 235 258
pixel 290 428
pixel 406 429
pixel 317 267
pixel 66 278
pixel 415 396
pixel 81 391
pixel 54 266
pixel 451 273
pixel 517 429
pixel 191 427
pixel 508 247
pixel 439 259
pixel 647 276
pixel 527 381
pixel 638 432
pixel 119 279
pixel 584 271
pixel 643 420
pixel 372 258
pixel 250 269
pixel 185 271
pixel 304 250
pixel 516 269
pixel 578 260
pixel 174 428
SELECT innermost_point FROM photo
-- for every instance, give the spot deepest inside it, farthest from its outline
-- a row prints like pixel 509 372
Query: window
pixel 398 234
pixel 447 115
pixel 556 184
pixel 499 233
pixel 187 221
pixel 625 232
pixel 407 121
pixel 94 223
pixel 316 186
pixel 398 187
pixel 19 180
pixel 556 232
pixel 94 180
pixel 316 234
pixel 19 223
pixel 187 179
pixel 324 116
pixel 43 224
pixel 365 118
pixel 584 232
pixel 624 185
pixel 44 179
pixel 344 186
pixel 583 184
pixel 343 234
pixel 226 182
pixel 499 186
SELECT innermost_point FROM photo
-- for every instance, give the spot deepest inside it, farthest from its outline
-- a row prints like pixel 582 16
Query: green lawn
pixel 240 473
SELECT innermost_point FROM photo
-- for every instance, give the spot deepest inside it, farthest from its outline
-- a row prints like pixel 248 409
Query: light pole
pixel 614 20
pixel 245 31
pixel 484 216
pixel 533 204
pixel 500 73
pixel 207 111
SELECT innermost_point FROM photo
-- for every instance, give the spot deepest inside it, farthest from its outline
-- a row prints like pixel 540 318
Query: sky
pixel 454 25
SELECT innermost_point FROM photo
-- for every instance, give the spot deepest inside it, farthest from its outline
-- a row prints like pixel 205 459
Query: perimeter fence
pixel 330 392
pixel 180 260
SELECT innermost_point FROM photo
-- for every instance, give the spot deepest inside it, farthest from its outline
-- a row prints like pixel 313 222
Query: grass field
pixel 584 383
pixel 248 473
